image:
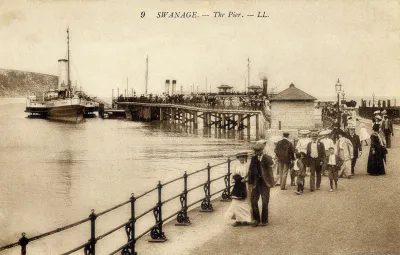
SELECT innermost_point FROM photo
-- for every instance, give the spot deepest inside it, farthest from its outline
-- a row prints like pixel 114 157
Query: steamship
pixel 63 103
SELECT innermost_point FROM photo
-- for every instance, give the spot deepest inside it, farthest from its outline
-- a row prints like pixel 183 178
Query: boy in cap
pixel 261 179
pixel 300 170
pixel 333 167
pixel 302 144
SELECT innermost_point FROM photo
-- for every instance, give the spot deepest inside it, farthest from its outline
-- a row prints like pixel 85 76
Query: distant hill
pixel 15 83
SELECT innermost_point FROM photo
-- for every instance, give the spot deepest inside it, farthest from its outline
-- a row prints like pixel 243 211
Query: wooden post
pixel 233 122
pixel 195 120
pixel 248 126
pixel 205 119
pixel 183 117
pixel 173 115
pixel 161 114
pixel 257 126
pixel 223 120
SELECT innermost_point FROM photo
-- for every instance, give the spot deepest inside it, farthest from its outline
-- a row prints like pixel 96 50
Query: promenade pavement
pixel 361 217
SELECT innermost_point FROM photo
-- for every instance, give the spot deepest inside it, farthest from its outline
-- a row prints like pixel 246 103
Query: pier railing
pixel 156 229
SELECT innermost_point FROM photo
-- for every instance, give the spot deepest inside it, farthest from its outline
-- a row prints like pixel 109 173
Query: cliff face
pixel 14 83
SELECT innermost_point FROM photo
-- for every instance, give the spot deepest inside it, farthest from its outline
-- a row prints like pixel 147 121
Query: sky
pixel 309 43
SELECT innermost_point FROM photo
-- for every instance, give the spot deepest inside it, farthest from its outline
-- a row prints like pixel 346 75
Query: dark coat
pixel 321 152
pixel 377 154
pixel 389 126
pixel 239 188
pixel 282 145
pixel 355 140
pixel 266 170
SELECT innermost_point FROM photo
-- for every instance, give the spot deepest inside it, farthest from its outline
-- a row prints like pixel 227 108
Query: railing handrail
pixel 57 230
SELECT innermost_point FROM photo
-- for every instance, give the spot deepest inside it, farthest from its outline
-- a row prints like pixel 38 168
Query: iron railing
pixel 155 230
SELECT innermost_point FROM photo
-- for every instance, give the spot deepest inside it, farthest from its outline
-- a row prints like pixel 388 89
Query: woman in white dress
pixel 364 136
pixel 240 208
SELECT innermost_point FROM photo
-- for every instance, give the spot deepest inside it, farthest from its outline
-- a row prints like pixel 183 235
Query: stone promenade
pixel 361 217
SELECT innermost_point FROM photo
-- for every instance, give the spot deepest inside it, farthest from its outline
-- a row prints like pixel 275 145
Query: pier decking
pixel 222 118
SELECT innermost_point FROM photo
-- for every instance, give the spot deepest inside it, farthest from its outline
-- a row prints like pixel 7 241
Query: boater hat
pixel 314 134
pixel 325 132
pixel 304 132
pixel 242 154
pixel 377 112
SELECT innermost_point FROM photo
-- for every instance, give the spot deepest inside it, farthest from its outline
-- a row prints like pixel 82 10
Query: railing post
pixel 206 205
pixel 90 249
pixel 23 241
pixel 156 233
pixel 130 230
pixel 226 194
pixel 182 217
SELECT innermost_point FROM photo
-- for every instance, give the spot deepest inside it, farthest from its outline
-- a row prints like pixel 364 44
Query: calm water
pixel 53 174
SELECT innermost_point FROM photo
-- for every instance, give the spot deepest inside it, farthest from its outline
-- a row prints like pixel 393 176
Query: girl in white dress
pixel 364 136
pixel 240 209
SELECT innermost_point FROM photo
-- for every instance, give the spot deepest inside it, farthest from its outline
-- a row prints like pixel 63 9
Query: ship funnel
pixel 173 92
pixel 62 74
pixel 265 86
pixel 166 87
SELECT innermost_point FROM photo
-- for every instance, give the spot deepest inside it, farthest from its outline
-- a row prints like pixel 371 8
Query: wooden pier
pixel 195 117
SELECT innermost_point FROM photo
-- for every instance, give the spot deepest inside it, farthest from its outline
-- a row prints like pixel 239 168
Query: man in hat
pixel 261 179
pixel 357 148
pixel 387 129
pixel 285 153
pixel 316 158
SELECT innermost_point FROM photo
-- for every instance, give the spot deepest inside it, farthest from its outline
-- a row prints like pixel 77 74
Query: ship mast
pixel 147 74
pixel 248 73
pixel 69 81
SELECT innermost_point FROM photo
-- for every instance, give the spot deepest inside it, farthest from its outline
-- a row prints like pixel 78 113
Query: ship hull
pixel 69 113
pixel 67 110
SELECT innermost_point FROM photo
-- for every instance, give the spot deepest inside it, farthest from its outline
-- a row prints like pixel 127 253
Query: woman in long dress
pixel 377 154
pixel 240 209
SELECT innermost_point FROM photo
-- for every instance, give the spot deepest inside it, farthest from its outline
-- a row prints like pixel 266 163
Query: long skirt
pixel 375 164
pixel 240 210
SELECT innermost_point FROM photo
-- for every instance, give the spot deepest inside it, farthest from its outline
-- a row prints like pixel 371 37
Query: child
pixel 364 136
pixel 333 167
pixel 240 208
pixel 300 169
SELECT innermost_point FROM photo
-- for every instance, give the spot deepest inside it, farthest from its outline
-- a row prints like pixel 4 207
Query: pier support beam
pixel 183 113
pixel 248 126
pixel 161 114
pixel 205 119
pixel 173 115
pixel 195 124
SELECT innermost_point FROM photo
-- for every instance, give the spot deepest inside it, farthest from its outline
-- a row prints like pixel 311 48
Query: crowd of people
pixel 250 102
pixel 332 152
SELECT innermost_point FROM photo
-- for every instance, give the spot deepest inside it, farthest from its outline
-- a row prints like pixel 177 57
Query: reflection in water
pixel 54 173
pixel 65 163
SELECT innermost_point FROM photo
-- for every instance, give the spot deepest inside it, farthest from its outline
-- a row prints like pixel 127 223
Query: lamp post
pixel 338 88
pixel 373 99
